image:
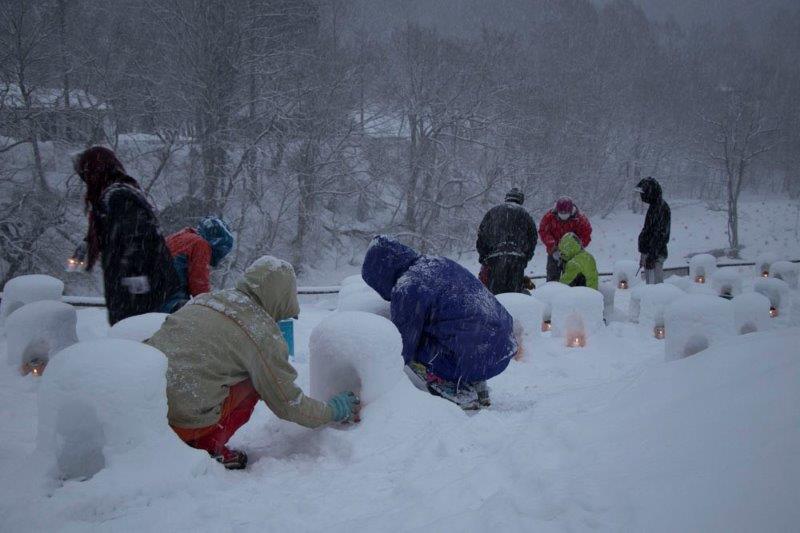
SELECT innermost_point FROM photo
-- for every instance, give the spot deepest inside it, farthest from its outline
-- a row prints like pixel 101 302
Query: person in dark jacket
pixel 194 252
pixel 562 219
pixel 654 236
pixel 506 242
pixel 138 275
pixel 456 335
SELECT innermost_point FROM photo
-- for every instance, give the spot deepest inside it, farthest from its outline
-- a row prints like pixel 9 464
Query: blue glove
pixel 345 406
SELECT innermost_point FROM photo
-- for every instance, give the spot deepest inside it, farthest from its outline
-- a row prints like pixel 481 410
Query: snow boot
pixel 482 390
pixel 232 459
pixel 464 396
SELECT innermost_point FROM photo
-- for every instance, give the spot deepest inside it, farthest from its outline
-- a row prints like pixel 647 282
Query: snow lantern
pixel 26 289
pixel 354 351
pixel 694 322
pixel 682 282
pixel 526 311
pixel 648 304
pixel 609 291
pixel 701 267
pixel 726 283
pixel 356 295
pixel 786 271
pixel 625 274
pixel 577 314
pixel 751 312
pixel 102 406
pixel 764 262
pixel 38 330
pixel 776 290
pixel 546 294
pixel 138 328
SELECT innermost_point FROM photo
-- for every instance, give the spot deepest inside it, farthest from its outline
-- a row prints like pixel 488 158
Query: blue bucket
pixel 287 328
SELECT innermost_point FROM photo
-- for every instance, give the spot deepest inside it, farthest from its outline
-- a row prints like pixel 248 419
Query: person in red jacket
pixel 562 219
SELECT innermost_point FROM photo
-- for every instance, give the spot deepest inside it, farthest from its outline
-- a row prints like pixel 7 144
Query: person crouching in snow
pixel 225 352
pixel 455 333
pixel 194 252
pixel 580 269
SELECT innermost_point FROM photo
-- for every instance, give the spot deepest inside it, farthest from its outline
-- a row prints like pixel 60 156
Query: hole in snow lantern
pixel 765 274
pixel 700 279
pixel 546 325
pixel 773 312
pixel 659 332
pixel 35 367
pixel 623 284
pixel 576 340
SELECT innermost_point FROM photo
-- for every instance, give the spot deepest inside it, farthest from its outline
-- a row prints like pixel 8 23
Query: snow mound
pixel 682 282
pixel 577 314
pixel 764 262
pixel 702 266
pixel 649 302
pixel 609 292
pixel 625 271
pixel 547 293
pixel 526 311
pixel 103 417
pixel 355 295
pixel 138 328
pixel 776 290
pixel 354 351
pixel 751 312
pixel 92 323
pixel 26 289
pixel 786 271
pixel 726 282
pixel 38 330
pixel 694 322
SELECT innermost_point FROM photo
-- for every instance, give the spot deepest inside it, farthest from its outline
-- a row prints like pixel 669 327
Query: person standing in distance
pixel 654 236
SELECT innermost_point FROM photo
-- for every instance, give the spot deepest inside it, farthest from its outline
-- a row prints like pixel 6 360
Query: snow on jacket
pixel 222 338
pixel 449 322
pixel 552 229
pixel 191 256
pixel 580 269
pixel 138 274
pixel 654 236
pixel 507 228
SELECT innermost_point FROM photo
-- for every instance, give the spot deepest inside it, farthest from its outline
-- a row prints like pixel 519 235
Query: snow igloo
pixel 354 351
pixel 356 295
pixel 527 313
pixel 751 312
pixel 786 271
pixel 26 289
pixel 648 304
pixel 138 328
pixel 103 406
pixel 764 262
pixel 38 330
pixel 696 321
pixel 702 267
pixel 726 282
pixel 546 294
pixel 778 293
pixel 625 274
pixel 577 315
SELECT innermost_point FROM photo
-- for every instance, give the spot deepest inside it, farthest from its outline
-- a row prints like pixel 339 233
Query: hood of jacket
pixel 386 260
pixel 569 246
pixel 271 284
pixel 651 190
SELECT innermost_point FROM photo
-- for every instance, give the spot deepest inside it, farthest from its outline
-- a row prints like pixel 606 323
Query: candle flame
pixel 765 274
pixel 623 284
pixel 659 332
pixel 773 312
pixel 546 325
pixel 700 279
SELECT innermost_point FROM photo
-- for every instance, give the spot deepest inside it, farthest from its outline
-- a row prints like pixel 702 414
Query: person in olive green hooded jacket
pixel 225 352
pixel 580 269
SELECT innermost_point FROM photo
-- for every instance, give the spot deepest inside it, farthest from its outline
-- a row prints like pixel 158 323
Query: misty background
pixel 310 125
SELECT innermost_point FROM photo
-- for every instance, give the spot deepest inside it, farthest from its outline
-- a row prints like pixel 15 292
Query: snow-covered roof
pixel 48 97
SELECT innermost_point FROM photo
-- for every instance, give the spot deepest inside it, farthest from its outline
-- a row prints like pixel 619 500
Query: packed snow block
pixel 609 292
pixel 577 314
pixel 625 274
pixel 38 330
pixel 138 328
pixel 26 289
pixel 726 282
pixel 786 271
pixel 102 405
pixel 701 267
pixel 355 295
pixel 354 351
pixel 649 302
pixel 777 291
pixel 764 262
pixel 751 312
pixel 546 294
pixel 526 311
pixel 694 322
pixel 682 282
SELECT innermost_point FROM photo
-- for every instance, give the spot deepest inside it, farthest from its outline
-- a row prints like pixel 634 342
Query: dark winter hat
pixel 515 196
pixel 650 190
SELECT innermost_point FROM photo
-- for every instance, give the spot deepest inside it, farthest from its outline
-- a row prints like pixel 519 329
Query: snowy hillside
pixel 609 437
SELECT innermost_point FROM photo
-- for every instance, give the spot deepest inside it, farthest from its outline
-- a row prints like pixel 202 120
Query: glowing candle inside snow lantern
pixel 623 284
pixel 700 279
pixel 546 325
pixel 35 367
pixel 659 332
pixel 773 312
pixel 765 274
pixel 576 340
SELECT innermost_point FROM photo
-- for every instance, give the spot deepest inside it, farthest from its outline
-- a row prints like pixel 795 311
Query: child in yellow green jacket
pixel 580 269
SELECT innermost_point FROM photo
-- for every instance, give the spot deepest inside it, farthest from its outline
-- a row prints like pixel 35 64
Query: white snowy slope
pixel 608 437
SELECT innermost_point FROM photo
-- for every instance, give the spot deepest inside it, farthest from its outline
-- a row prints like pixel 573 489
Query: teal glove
pixel 345 406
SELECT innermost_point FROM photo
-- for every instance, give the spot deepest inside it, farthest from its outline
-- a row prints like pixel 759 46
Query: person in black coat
pixel 506 242
pixel 654 236
pixel 138 274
